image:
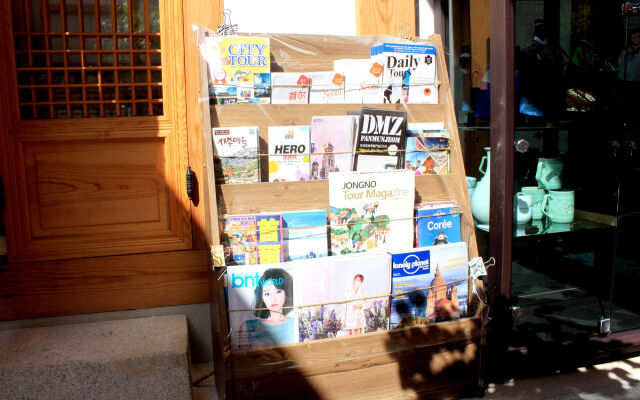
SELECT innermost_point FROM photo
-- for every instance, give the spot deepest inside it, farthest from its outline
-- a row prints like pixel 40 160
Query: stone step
pixel 143 358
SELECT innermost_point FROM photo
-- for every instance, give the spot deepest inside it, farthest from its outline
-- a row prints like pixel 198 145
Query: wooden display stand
pixel 437 360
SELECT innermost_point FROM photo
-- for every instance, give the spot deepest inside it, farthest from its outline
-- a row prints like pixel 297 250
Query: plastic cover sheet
pixel 311 53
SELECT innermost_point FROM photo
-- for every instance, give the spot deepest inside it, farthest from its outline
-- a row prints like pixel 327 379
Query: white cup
pixel 523 208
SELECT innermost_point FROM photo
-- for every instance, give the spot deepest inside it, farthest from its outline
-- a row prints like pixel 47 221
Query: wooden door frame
pixel 502 49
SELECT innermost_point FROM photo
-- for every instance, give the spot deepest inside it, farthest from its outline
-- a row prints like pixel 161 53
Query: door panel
pixel 94 128
pixel 90 188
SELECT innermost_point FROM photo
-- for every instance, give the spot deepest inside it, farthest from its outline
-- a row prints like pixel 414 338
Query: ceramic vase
pixel 471 185
pixel 481 195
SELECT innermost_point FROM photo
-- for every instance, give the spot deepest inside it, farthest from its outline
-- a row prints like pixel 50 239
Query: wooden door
pixel 93 134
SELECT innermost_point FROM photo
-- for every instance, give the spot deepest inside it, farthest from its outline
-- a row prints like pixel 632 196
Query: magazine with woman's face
pixel 261 299
pixel 358 284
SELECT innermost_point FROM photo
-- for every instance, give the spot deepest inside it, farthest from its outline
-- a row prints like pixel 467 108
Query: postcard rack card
pixel 434 360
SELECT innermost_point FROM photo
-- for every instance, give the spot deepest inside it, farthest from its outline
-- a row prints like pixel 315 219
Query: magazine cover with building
pixel 331 144
pixel 236 154
pixel 360 283
pixel 410 271
pixel 237 67
pixel 380 140
pixel 371 211
pixel 261 300
pixel 289 148
pixel 305 234
pixel 442 269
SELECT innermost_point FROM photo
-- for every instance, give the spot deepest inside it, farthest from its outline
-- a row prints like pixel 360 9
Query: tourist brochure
pixel 427 148
pixel 409 72
pixel 261 302
pixel 362 80
pixel 305 234
pixel 380 141
pixel 239 69
pixel 429 284
pixel 289 148
pixel 290 88
pixel 427 155
pixel 254 239
pixel 326 88
pixel 331 144
pixel 343 295
pixel 371 211
pixel 236 154
pixel 437 223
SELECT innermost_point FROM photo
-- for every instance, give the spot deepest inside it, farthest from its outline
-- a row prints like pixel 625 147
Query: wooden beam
pixel 207 14
pixel 383 17
pixel 597 217
pixel 502 136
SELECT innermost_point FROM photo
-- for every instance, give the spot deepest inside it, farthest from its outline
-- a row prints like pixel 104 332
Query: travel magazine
pixel 429 285
pixel 380 140
pixel 344 295
pixel 371 211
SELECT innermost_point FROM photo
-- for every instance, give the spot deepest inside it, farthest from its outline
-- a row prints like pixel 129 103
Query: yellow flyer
pixel 239 69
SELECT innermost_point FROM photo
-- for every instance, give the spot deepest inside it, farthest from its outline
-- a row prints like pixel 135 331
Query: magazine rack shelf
pixel 437 360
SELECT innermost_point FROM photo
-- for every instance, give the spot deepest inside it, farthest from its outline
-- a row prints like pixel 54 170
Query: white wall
pixel 328 17
pixel 426 22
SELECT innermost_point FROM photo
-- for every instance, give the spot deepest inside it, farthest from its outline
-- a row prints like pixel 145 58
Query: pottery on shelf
pixel 481 195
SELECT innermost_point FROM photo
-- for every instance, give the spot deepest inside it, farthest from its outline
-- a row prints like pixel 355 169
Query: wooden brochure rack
pixel 440 360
